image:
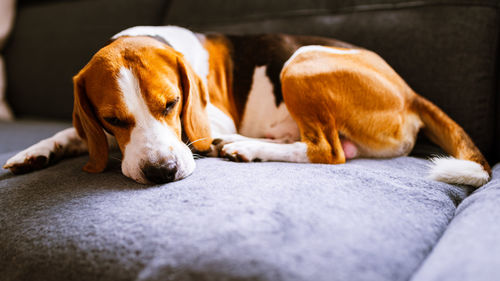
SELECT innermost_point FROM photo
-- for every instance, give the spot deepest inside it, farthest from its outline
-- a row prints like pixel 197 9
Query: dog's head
pixel 145 94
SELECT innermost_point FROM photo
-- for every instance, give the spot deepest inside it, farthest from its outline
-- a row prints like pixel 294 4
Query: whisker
pixel 191 143
pixel 198 156
pixel 116 158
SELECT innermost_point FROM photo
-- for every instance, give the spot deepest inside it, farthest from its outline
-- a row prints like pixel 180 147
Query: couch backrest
pixel 447 50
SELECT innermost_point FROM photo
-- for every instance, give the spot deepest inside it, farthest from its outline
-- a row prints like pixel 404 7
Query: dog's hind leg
pixel 244 149
pixel 320 143
pixel 315 116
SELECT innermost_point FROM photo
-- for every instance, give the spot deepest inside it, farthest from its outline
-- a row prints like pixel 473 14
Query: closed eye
pixel 113 121
pixel 170 105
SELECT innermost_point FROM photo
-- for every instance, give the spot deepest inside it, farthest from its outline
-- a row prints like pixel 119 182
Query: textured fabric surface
pixel 469 248
pixel 7 9
pixel 52 40
pixel 18 135
pixel 365 220
pixel 445 50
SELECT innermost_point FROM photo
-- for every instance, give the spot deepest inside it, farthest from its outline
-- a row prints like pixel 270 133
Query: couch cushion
pixel 365 220
pixel 53 40
pixel 469 248
pixel 20 134
pixel 445 50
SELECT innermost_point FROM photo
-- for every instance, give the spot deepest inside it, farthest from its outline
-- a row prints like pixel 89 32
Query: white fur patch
pixel 317 48
pixel 220 123
pixel 262 118
pixel 267 151
pixel 457 171
pixel 131 94
pixel 151 141
pixel 181 39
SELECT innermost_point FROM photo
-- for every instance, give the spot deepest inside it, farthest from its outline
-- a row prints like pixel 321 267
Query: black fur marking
pixel 271 50
pixel 156 37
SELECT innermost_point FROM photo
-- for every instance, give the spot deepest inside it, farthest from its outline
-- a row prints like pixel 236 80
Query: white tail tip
pixel 456 171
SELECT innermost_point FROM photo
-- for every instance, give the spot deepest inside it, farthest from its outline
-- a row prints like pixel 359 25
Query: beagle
pixel 159 93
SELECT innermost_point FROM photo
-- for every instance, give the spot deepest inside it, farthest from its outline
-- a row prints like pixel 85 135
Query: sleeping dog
pixel 159 93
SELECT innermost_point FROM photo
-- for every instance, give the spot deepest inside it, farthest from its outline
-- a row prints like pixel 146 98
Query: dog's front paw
pixel 242 151
pixel 219 143
pixel 33 158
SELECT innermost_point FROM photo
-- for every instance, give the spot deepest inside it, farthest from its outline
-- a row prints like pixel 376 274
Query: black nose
pixel 160 173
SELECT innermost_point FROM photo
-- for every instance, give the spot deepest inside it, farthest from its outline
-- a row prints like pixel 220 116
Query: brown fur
pixel 89 129
pixel 442 130
pixel 363 98
pixel 194 117
pixel 220 77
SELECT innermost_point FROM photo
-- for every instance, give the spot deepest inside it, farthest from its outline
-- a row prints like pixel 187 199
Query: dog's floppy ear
pixel 194 117
pixel 85 123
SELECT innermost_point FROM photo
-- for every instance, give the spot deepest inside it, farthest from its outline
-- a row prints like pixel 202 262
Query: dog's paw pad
pixel 34 158
pixel 29 164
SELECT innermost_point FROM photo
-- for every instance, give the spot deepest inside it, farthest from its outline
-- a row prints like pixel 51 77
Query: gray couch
pixel 364 220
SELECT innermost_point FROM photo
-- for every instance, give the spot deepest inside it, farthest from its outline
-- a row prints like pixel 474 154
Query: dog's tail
pixel 467 165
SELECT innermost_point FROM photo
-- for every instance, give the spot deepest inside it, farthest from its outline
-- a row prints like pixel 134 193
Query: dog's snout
pixel 160 173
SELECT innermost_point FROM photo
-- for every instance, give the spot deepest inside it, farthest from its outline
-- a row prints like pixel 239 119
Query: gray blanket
pixel 364 220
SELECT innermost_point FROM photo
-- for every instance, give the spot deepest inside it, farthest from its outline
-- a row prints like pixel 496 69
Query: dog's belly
pixel 262 118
